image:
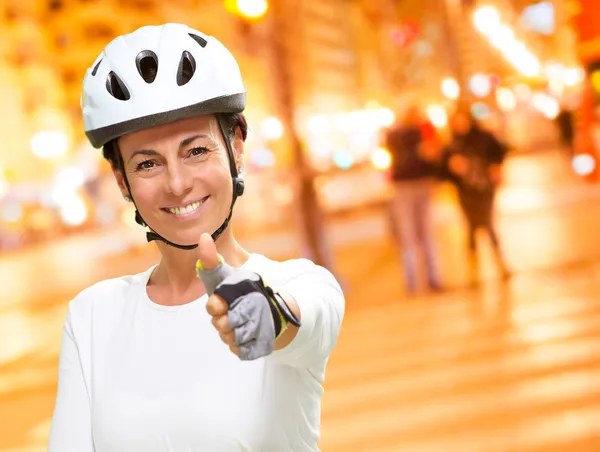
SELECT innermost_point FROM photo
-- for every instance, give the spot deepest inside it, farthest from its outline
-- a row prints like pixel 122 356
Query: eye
pixel 145 165
pixel 196 152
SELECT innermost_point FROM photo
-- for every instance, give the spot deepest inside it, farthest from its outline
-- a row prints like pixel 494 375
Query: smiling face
pixel 180 176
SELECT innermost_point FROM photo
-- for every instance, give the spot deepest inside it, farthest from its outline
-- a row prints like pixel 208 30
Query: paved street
pixel 505 368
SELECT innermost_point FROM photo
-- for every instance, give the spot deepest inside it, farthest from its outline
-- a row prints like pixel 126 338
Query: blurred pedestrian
pixel 473 163
pixel 566 130
pixel 415 151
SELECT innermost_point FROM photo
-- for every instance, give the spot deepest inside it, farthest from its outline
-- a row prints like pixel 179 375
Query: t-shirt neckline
pixel 145 277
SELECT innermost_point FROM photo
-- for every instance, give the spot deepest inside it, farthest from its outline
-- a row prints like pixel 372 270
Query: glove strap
pixel 282 314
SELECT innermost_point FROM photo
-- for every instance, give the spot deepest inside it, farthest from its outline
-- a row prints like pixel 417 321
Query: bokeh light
pixel 49 144
pixel 247 9
pixel 343 159
pixel 506 99
pixel 272 128
pixel 546 104
pixel 480 110
pixel 450 88
pixel 583 164
pixel 480 85
pixel 262 157
pixel 437 115
pixel 381 159
pixel 73 211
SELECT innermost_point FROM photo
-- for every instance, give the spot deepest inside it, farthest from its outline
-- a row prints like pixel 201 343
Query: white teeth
pixel 184 210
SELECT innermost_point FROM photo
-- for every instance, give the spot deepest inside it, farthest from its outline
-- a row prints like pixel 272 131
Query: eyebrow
pixel 185 142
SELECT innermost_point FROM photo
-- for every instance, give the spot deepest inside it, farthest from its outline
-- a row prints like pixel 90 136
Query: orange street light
pixel 247 9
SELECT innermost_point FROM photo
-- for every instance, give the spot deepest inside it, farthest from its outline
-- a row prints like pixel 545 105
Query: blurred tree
pixel 309 213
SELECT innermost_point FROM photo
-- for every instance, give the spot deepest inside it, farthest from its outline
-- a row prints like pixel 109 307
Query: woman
pixel 473 160
pixel 197 353
pixel 413 144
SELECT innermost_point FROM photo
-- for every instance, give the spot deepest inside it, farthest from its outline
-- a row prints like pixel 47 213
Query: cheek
pixel 218 175
pixel 220 184
pixel 143 191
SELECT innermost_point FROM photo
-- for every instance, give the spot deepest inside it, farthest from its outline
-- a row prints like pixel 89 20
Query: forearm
pixel 496 173
pixel 317 299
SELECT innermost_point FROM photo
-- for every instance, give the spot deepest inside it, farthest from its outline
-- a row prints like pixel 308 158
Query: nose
pixel 180 179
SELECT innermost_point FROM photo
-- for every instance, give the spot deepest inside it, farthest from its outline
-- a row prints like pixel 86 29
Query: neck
pixel 177 268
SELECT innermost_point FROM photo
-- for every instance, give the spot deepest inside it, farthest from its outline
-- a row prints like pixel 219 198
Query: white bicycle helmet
pixel 117 99
pixel 156 75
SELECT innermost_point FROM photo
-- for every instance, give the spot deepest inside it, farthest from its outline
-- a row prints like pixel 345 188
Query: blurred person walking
pixel 473 162
pixel 415 151
pixel 566 130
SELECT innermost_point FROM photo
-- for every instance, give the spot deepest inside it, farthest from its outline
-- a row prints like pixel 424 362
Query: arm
pixel 447 154
pixel 292 330
pixel 385 137
pixel 317 298
pixel 71 429
pixel 496 154
pixel 496 151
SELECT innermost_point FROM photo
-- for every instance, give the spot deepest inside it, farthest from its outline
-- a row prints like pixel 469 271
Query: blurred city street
pixel 506 367
pixel 361 134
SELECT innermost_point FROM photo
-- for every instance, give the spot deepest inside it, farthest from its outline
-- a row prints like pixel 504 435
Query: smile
pixel 188 210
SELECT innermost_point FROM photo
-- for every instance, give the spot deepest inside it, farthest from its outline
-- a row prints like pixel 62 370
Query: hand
pixel 216 306
pixel 459 165
pixel 496 174
pixel 247 314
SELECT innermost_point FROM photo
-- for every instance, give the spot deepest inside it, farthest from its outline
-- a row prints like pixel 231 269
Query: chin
pixel 188 237
pixel 184 232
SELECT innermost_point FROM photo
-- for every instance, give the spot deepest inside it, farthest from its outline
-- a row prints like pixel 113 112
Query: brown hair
pixel 230 121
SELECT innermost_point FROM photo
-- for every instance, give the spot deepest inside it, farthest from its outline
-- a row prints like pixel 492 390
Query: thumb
pixel 210 266
pixel 208 258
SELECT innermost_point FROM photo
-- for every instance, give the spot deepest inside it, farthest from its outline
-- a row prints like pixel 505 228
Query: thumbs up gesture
pixel 247 314
pixel 212 270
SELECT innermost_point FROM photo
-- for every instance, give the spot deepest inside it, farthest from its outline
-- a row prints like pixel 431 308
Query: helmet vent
pixel 200 40
pixel 116 87
pixel 187 67
pixel 96 67
pixel 147 65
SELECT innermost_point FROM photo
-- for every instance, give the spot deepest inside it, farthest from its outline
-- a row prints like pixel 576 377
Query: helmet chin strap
pixel 238 190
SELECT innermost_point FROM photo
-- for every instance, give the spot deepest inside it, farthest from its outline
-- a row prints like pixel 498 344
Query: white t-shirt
pixel 135 376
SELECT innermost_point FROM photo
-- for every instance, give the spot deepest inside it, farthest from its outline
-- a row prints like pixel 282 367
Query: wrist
pixel 282 313
pixel 281 323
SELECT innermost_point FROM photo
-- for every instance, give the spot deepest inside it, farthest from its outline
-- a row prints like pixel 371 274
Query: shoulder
pixel 108 293
pixel 483 134
pixel 282 272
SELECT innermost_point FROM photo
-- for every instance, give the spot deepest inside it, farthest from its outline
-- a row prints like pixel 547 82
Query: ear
pixel 120 181
pixel 237 146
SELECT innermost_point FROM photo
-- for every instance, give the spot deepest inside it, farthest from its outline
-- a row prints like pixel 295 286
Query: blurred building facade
pixel 353 64
pixel 516 63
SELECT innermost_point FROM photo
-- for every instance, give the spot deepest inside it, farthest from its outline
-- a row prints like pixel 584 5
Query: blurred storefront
pixel 586 20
